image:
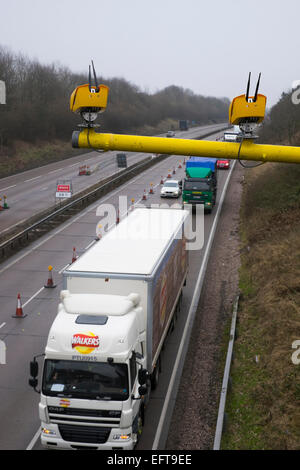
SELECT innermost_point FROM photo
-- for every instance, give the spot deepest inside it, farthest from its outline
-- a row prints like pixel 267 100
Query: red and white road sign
pixel 63 190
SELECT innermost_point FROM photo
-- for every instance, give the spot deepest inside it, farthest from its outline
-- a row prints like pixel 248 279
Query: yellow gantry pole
pixel 248 150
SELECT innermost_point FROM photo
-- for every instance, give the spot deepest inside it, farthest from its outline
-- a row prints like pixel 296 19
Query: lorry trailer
pixel 184 125
pixel 103 352
pixel 202 162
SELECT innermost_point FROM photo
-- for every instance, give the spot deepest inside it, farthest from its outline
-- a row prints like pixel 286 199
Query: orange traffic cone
pixel 174 171
pixel 50 283
pixel 169 174
pixel 5 206
pixel 151 189
pixel 118 217
pixel 19 309
pixel 144 195
pixel 161 180
pixel 74 256
pixel 180 166
pixel 1 207
pixel 82 170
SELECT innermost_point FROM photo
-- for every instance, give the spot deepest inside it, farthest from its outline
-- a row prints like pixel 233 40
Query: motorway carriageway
pixel 26 272
pixel 33 191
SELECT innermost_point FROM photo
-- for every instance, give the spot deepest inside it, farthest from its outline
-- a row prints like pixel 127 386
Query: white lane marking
pixel 62 269
pixel 34 439
pixel 191 314
pixel 2 324
pixel 8 187
pixel 32 297
pixel 32 179
pixel 19 222
pixel 53 171
pixel 90 244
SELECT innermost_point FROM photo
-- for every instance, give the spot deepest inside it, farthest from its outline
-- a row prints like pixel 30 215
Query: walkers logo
pixel 85 343
pixel 64 403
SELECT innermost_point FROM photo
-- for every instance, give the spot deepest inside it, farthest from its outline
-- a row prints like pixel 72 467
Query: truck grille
pixel 86 434
pixel 61 415
pixel 84 412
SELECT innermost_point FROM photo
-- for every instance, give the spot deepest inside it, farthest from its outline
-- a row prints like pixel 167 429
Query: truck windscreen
pixel 90 380
pixel 196 186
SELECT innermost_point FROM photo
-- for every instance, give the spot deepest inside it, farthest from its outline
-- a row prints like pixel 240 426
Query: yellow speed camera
pixel 247 111
pixel 88 100
pixel 86 96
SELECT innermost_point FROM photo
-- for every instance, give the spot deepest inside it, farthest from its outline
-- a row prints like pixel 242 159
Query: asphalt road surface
pixel 34 190
pixel 26 273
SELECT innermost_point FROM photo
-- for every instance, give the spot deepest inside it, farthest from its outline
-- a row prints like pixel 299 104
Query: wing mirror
pixel 142 376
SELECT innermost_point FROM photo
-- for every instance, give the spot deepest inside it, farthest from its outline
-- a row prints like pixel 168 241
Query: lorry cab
pixel 199 191
pixel 90 372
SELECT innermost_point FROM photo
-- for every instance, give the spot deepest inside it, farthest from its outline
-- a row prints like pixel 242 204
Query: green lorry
pixel 199 187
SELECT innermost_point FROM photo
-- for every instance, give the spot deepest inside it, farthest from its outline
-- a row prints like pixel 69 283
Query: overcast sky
pixel 207 46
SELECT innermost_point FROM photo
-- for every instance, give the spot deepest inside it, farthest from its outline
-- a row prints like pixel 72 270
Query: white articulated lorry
pixel 103 350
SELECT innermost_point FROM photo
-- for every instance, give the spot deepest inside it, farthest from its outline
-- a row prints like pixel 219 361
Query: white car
pixel 170 134
pixel 170 188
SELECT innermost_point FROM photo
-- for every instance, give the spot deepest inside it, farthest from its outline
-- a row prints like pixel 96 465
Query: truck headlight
pixel 48 432
pixel 123 437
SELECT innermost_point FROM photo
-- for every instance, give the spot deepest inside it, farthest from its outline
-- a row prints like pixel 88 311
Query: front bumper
pixel 223 166
pixel 169 195
pixel 54 440
pixel 193 203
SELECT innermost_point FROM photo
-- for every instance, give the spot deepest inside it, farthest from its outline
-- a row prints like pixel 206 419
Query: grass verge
pixel 263 404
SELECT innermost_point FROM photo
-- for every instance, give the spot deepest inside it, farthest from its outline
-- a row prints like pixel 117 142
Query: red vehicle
pixel 224 164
